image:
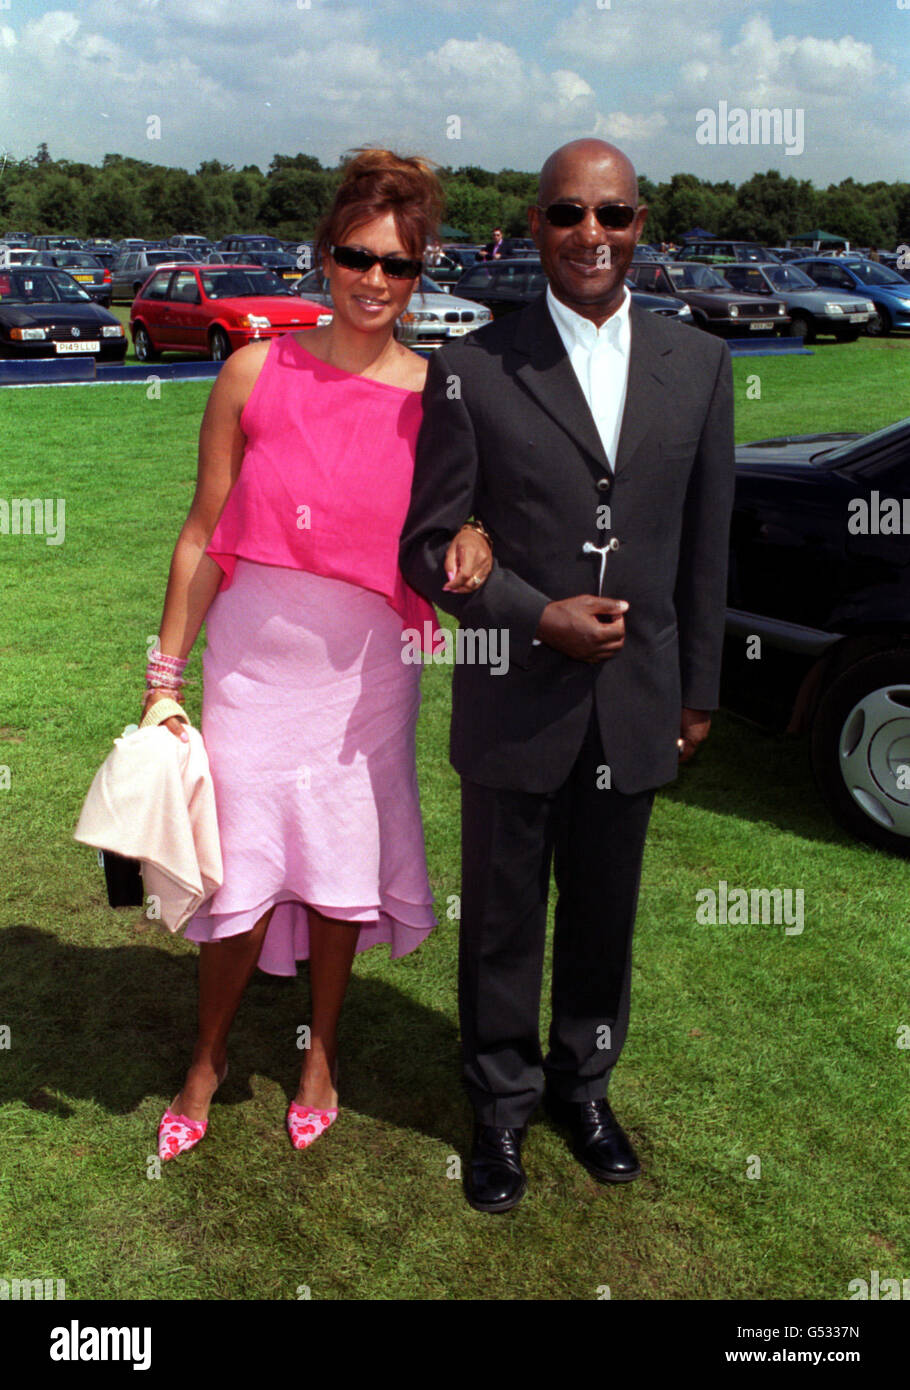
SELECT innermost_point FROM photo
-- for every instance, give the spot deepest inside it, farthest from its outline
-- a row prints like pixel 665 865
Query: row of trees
pixel 133 197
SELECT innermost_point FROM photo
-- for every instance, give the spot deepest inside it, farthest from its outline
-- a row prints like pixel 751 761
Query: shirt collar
pixel 578 329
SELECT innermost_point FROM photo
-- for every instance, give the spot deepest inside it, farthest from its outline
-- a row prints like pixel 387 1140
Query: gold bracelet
pixel 481 530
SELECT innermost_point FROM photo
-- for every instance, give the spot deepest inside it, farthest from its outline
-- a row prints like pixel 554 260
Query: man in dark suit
pixel 594 440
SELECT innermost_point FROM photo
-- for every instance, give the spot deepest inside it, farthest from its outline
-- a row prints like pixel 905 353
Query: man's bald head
pixel 586 154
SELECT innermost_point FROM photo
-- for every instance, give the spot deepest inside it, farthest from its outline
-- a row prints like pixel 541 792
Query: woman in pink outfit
pixel 290 555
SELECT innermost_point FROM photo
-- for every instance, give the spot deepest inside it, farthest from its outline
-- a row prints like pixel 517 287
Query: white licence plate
pixel 762 323
pixel 457 328
pixel 84 345
pixel 857 318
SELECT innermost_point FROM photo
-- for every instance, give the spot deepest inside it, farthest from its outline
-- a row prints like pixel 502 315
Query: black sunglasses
pixel 613 216
pixel 396 267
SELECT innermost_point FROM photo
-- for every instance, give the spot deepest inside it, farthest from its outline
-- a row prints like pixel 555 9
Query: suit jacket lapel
pixel 549 376
pixel 644 388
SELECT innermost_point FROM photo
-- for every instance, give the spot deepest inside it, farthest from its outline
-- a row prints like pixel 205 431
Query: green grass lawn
pixel 744 1042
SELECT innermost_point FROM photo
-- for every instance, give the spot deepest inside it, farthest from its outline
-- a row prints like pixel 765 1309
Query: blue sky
pixel 493 82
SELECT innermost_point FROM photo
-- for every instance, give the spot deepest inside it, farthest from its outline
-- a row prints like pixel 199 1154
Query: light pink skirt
pixel 308 718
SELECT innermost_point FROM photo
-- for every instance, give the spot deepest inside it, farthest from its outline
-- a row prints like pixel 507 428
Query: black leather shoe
pixel 495 1180
pixel 598 1140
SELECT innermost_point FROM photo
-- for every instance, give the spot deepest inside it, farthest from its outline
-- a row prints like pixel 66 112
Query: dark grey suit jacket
pixel 508 436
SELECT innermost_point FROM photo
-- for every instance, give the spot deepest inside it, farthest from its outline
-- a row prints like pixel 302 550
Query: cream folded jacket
pixel 153 799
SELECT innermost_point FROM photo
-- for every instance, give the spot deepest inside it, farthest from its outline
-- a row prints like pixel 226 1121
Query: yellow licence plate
pixel 83 277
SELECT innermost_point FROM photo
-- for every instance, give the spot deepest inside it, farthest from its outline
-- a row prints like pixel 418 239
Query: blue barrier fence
pixel 54 371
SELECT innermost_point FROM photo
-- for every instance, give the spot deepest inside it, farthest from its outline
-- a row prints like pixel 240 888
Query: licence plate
pixel 84 345
pixel 762 323
pixel 290 275
pixel 83 278
pixel 857 318
pixel 456 329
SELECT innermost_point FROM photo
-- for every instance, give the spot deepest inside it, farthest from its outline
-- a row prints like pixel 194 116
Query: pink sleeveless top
pixel 325 480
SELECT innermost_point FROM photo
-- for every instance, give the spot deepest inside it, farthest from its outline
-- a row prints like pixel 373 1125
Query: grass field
pixel 744 1042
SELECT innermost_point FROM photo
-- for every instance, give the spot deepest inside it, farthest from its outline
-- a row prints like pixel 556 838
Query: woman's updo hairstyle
pixel 376 182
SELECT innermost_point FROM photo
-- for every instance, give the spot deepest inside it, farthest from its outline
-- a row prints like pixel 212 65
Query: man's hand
pixel 573 627
pixel 694 725
pixel 468 562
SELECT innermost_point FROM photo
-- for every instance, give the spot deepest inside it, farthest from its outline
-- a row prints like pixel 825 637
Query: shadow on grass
pixel 766 778
pixel 116 1025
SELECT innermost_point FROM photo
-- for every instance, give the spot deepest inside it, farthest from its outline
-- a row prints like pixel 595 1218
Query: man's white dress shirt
pixel 600 360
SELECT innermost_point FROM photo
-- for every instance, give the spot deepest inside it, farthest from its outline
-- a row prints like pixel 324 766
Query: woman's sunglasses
pixel 611 216
pixel 396 267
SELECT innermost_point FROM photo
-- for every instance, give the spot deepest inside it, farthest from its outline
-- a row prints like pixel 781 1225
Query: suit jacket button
pixel 603 484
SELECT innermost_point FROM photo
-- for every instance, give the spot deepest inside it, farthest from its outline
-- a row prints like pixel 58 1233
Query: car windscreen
pixel 242 284
pixel 743 277
pixel 872 274
pixel 29 286
pixel 789 277
pixel 82 262
pixel 696 277
pixel 880 440
pixel 160 257
pixel 273 257
pixel 261 243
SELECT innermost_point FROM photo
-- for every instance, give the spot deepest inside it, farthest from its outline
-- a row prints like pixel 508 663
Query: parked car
pixel 45 313
pixel 131 269
pixel 19 255
pixel 811 310
pixel 282 263
pixel 57 243
pixel 509 285
pixel 431 318
pixel 214 309
pixel 86 270
pixel 713 251
pixel 889 292
pixel 824 583
pixel 252 241
pixel 715 306
pixel 788 253
pixel 189 241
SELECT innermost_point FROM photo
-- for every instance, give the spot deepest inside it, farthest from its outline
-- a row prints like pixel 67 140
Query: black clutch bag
pixel 123 878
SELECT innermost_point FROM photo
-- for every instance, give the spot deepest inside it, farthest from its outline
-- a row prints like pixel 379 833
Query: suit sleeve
pixel 701 582
pixel 443 496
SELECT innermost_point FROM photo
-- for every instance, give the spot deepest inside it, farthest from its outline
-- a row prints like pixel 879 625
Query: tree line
pixel 133 197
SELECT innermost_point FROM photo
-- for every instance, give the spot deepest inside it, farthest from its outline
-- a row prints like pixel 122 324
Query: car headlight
pixel 112 330
pixel 781 310
pixel 419 316
pixel 483 315
pixel 323 320
pixel 833 308
pixel 869 305
pixel 734 311
pixel 685 312
pixel 255 321
pixel 26 335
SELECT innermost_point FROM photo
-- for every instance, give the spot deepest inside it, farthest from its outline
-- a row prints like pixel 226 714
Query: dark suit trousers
pixel 595 838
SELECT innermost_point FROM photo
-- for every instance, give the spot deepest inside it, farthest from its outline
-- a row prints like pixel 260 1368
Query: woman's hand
pixel 468 562
pixel 176 726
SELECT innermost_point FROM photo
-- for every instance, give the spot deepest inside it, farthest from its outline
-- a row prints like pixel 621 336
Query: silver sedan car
pixel 431 318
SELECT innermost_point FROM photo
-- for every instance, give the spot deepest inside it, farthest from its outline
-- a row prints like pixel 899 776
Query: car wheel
pixel 861 749
pixel 219 345
pixel 799 327
pixel 879 324
pixel 142 345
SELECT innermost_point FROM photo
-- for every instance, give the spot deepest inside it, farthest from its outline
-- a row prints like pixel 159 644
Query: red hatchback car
pixel 213 309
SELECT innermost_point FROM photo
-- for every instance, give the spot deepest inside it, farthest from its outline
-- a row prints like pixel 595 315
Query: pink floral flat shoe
pixel 177 1134
pixel 305 1123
